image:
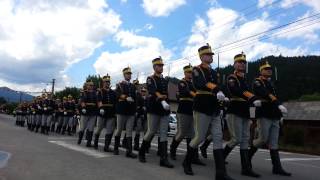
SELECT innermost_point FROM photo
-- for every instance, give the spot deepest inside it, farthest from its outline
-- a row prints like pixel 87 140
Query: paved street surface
pixel 26 155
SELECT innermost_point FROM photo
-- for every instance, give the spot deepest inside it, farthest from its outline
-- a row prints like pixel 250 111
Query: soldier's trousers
pixel 268 133
pixel 124 121
pixel 185 127
pixel 38 119
pixel 201 124
pixel 107 123
pixel 69 121
pixel 29 120
pixel 87 122
pixel 155 123
pixel 59 120
pixel 46 120
pixel 141 125
pixel 239 129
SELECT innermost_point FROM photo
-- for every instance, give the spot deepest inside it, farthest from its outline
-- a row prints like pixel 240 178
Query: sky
pixel 68 40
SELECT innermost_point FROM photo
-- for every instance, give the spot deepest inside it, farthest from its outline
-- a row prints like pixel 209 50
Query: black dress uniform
pixel 158 115
pixel 47 105
pixel 141 117
pixel 238 115
pixel 59 115
pixel 69 108
pixel 106 118
pixel 185 122
pixel 88 100
pixel 125 110
pixel 206 113
pixel 268 119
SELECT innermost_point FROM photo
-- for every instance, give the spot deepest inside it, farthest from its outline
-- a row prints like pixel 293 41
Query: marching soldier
pixel 39 112
pixel 206 112
pixel 47 108
pixel 59 114
pixel 106 118
pixel 141 116
pixel 238 113
pixel 125 110
pixel 18 111
pixel 269 115
pixel 88 106
pixel 69 108
pixel 158 113
pixel 186 94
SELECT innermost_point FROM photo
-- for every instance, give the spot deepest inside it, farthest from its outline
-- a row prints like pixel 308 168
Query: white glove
pixel 33 112
pixel 226 99
pixel 39 107
pixel 281 121
pixel 220 96
pixel 129 99
pixel 102 111
pixel 45 108
pixel 65 113
pixel 257 103
pixel 165 105
pixel 283 110
pixel 84 111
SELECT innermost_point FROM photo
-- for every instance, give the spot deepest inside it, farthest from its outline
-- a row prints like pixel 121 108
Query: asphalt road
pixel 26 155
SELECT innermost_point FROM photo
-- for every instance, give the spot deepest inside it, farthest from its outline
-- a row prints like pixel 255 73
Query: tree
pixel 75 92
pixel 2 100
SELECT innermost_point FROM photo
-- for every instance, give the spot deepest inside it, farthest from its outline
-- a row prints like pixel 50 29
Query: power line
pixel 173 42
pixel 267 36
pixel 255 35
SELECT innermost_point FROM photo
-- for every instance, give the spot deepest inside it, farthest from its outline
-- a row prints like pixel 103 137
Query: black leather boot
pixel 227 150
pixel 116 145
pixel 89 138
pixel 173 149
pixel 221 173
pixel 142 151
pixel 188 160
pixel 136 142
pixel 80 137
pixel 277 168
pixel 204 147
pixel 107 142
pixel 164 162
pixel 129 153
pixel 96 141
pixel 246 169
pixel 251 153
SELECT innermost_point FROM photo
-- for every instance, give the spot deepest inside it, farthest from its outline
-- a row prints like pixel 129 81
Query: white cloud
pixel 39 39
pixel 158 8
pixel 305 29
pixel 211 29
pixel 314 4
pixel 263 3
pixel 141 51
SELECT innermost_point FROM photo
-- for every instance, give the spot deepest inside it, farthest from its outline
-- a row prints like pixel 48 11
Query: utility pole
pixel 52 90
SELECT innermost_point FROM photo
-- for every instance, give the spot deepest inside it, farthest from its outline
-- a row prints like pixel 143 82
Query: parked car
pixel 172 129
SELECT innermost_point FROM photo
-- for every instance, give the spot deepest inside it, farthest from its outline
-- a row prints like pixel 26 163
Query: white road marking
pixel 298 159
pixel 87 151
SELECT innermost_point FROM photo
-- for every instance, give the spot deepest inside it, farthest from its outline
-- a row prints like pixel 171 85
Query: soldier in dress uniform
pixel 238 113
pixel 206 112
pixel 186 93
pixel 158 113
pixel 59 114
pixel 269 116
pixel 88 106
pixel 69 108
pixel 125 110
pixel 106 119
pixel 141 116
pixel 47 109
